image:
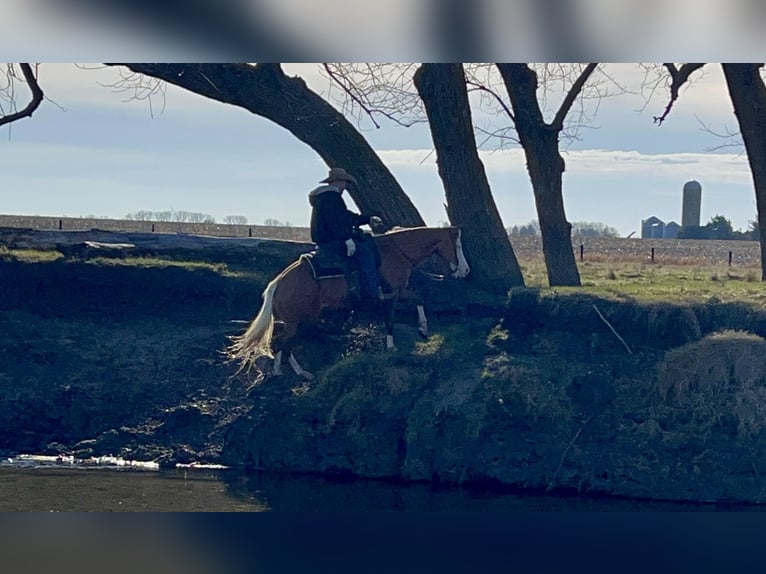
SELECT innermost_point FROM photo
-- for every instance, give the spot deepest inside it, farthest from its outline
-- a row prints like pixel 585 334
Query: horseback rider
pixel 335 228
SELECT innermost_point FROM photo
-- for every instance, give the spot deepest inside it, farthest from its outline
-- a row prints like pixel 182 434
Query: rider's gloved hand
pixel 350 247
pixel 377 224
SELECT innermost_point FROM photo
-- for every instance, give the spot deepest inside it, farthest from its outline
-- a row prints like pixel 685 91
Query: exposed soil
pixel 532 394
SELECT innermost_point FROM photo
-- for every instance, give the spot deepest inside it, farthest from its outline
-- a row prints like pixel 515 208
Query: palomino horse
pixel 294 297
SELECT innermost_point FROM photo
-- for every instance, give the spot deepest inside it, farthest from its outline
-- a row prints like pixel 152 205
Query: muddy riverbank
pixel 535 394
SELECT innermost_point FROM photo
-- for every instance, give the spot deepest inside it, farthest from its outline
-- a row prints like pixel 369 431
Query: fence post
pixel 729 258
pixel 249 231
pixel 61 224
pixel 582 251
pixel 652 254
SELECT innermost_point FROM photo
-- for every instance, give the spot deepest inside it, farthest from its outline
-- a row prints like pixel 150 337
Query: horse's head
pixel 416 244
pixel 451 250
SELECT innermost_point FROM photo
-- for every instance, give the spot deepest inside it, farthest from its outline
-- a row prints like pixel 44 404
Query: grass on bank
pixel 689 282
pixel 29 255
pixel 49 256
pixel 675 282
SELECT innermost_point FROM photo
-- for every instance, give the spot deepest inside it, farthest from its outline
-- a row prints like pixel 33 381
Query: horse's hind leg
pixel 277 369
pixel 422 322
pixel 283 342
pixel 390 323
pixel 300 371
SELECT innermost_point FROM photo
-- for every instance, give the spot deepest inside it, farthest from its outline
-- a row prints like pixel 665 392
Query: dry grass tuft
pixel 718 381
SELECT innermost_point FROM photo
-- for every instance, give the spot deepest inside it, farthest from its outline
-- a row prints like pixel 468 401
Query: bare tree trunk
pixel 469 198
pixel 265 90
pixel 748 95
pixel 545 166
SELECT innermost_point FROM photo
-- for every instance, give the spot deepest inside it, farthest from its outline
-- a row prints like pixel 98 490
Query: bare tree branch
pixel 504 135
pixel 678 77
pixel 475 86
pixel 569 99
pixel 37 96
pixel 731 139
pixel 371 90
pixel 139 87
pixel 343 83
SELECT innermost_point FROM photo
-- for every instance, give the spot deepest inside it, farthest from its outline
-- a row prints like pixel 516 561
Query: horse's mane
pixel 396 233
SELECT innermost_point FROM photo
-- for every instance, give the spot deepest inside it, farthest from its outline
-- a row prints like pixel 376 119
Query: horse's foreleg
pixel 422 322
pixel 277 369
pixel 298 369
pixel 390 343
pixel 390 323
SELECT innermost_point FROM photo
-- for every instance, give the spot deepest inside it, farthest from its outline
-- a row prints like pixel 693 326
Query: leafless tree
pixel 747 90
pixel 512 101
pixel 163 215
pixel 198 217
pixel 409 94
pixel 540 140
pixel 470 205
pixel 141 215
pixel 180 215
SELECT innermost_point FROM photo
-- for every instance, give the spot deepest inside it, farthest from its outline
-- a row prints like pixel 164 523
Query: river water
pixel 310 524
pixel 46 485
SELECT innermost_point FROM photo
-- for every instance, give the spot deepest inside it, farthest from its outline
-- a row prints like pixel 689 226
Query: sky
pixel 93 150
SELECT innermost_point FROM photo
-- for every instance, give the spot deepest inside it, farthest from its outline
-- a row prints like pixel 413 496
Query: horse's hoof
pixel 309 377
pixel 423 333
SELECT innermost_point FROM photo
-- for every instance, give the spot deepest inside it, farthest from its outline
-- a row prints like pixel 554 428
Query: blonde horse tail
pixel 256 341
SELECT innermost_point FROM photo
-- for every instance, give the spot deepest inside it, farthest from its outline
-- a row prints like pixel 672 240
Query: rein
pixel 431 276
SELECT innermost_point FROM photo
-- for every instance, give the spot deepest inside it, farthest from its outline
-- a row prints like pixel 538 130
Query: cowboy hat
pixel 338 174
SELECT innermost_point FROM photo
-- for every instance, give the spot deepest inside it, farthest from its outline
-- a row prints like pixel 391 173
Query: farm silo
pixel 692 202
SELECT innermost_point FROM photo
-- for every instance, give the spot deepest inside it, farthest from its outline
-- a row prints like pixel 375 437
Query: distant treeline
pixel 183 216
pixel 719 227
pixel 579 229
pixel 196 217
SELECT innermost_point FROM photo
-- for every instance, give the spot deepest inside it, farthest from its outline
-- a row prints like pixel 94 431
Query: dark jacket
pixel 331 221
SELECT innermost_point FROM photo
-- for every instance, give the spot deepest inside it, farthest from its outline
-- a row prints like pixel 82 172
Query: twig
pixel 566 450
pixel 616 334
pixel 342 82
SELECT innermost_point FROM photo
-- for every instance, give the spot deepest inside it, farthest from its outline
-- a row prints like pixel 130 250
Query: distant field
pixel 219 229
pixel 666 251
pixel 527 249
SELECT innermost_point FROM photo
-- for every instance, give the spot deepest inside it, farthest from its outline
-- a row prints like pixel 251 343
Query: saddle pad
pixel 321 267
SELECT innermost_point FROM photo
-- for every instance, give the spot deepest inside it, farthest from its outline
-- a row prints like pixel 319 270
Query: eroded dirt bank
pixel 102 359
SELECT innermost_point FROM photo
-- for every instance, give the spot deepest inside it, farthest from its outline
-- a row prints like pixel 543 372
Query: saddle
pixel 326 264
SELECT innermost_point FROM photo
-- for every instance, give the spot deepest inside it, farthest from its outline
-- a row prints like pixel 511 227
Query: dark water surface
pixel 59 488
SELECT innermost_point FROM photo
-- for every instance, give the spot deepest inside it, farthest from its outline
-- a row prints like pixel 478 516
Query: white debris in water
pixel 39 460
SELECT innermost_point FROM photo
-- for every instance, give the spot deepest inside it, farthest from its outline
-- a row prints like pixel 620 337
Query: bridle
pixel 416 267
